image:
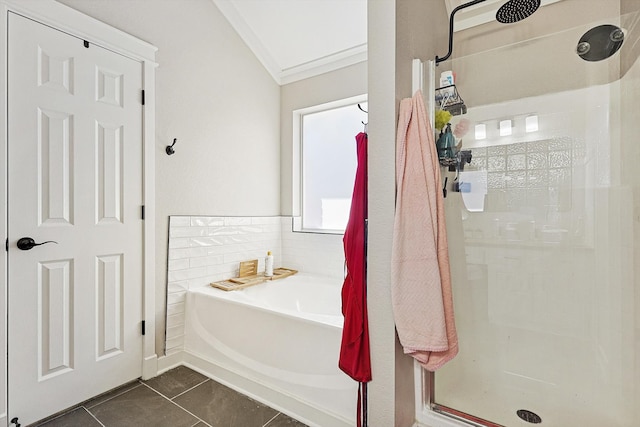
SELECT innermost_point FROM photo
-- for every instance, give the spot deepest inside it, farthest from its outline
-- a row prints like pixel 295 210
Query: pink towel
pixel 420 277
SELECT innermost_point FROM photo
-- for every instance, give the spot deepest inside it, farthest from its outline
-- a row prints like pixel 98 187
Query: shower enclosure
pixel 544 235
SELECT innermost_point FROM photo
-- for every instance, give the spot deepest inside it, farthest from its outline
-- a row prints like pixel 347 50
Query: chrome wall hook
pixel 170 149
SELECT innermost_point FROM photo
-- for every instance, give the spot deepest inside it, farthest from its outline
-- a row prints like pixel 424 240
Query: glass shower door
pixel 544 237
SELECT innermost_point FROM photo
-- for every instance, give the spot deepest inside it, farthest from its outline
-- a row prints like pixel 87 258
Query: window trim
pixel 298 155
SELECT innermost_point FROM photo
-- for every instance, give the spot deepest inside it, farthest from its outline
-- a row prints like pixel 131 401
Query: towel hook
pixel 170 149
pixel 366 112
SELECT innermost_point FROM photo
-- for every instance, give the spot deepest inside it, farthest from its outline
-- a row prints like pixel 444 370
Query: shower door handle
pixel 27 243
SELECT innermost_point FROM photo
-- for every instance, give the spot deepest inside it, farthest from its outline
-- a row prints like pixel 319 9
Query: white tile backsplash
pixel 205 249
pixel 315 253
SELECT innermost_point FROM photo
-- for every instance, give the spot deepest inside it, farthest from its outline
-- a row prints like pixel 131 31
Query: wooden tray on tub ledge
pixel 248 276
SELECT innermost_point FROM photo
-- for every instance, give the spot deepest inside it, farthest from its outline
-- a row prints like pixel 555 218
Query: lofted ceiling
pixel 297 39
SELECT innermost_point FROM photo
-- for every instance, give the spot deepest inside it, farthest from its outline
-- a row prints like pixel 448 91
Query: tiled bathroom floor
pixel 180 397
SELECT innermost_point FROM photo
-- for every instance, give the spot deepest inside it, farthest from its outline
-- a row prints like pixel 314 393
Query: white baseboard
pixel 150 367
pixel 169 362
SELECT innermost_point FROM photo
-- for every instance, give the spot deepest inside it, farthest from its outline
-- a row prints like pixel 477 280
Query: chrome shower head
pixel 516 10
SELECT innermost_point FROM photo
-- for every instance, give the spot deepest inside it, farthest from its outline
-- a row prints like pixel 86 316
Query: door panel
pixel 74 177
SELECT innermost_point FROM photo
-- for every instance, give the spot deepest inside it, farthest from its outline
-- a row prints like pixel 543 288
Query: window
pixel 327 160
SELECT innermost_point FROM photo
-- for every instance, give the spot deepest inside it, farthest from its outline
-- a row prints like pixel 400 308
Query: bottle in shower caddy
pixel 268 265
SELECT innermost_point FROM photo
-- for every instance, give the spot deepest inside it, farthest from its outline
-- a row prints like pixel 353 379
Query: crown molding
pixel 302 71
pixel 325 64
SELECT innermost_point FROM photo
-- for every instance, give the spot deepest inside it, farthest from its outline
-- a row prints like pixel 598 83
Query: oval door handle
pixel 27 243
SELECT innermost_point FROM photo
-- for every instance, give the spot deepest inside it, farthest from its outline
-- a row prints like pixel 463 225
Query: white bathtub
pixel 277 342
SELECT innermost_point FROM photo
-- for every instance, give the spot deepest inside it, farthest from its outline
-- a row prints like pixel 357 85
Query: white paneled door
pixel 74 178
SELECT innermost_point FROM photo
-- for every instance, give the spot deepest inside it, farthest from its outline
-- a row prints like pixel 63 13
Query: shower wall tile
pixel 187 231
pixel 178 253
pixel 516 179
pixel 206 221
pixel 205 249
pixel 538 178
pixel 516 161
pixel 496 164
pixel 179 243
pixel 237 220
pixel 315 253
pixel 175 309
pixel 176 319
pixel 559 159
pixel 174 345
pixel 537 160
pixel 496 150
pixel 178 286
pixel 175 332
pixel 176 298
pixel 205 261
pixel 478 162
pixel 537 146
pixel 178 264
pixel 516 148
pixel 496 180
pixel 180 221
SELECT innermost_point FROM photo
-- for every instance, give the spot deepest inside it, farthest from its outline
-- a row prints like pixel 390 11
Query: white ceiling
pixel 297 39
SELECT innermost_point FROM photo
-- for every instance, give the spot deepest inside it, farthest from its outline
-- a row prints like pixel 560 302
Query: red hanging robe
pixel 355 358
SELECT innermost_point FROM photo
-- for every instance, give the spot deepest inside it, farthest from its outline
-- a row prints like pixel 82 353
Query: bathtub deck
pixel 180 397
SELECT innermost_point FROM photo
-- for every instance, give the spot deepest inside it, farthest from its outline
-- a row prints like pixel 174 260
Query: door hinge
pixel 6 245
pixel 143 327
pixel 142 96
pixel 142 212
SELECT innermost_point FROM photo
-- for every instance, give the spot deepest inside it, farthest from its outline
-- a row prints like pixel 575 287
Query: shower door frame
pixel 427 411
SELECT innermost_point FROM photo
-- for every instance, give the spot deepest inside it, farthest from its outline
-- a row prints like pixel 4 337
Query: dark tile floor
pixel 180 397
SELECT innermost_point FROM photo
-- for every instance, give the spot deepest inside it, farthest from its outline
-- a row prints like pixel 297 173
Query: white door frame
pixel 68 20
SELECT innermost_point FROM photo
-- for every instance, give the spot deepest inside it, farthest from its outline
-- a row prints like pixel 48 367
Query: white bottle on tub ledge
pixel 268 265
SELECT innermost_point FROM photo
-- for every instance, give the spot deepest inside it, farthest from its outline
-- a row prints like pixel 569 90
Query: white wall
pixel 382 124
pixel 222 105
pixel 399 31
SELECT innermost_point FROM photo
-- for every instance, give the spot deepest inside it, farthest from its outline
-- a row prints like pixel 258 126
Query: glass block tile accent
pixel 560 177
pixel 538 178
pixel 479 163
pixel 517 148
pixel 537 160
pixel 537 146
pixel 516 161
pixel 516 179
pixel 561 144
pixel 560 159
pixel 496 150
pixel 495 180
pixel 479 151
pixel 496 163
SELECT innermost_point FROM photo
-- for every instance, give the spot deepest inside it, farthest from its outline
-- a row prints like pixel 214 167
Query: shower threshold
pixel 463 416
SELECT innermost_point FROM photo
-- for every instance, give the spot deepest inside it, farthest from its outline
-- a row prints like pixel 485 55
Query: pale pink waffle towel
pixel 420 277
